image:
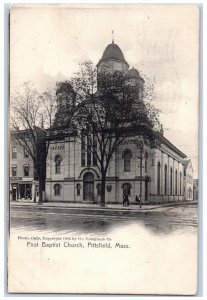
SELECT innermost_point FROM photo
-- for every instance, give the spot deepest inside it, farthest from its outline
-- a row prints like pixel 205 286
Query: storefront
pixel 25 190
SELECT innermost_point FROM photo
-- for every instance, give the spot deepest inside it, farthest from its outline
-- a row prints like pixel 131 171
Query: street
pixel 163 220
pixel 155 245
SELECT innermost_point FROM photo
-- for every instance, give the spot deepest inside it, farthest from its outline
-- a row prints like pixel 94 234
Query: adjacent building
pixel 23 180
pixel 188 182
pixel 195 189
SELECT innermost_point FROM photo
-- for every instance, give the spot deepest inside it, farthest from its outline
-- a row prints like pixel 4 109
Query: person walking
pixel 137 200
pixel 127 200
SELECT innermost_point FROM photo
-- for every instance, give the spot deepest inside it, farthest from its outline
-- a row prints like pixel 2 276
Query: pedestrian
pixel 127 200
pixel 137 200
pixel 123 200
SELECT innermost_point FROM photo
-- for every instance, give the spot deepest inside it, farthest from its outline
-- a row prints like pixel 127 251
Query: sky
pixel 48 42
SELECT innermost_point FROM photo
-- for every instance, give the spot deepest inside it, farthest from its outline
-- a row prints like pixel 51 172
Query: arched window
pixel 57 164
pixel 126 189
pixel 171 181
pixel 158 178
pixel 57 188
pixel 165 179
pixel 176 182
pixel 78 187
pixel 180 183
pixel 127 155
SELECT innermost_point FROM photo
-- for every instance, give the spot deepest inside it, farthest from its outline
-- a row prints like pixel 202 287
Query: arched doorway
pixel 88 187
pixel 126 189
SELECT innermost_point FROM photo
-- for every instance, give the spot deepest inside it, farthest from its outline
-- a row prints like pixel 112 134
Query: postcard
pixel 103 189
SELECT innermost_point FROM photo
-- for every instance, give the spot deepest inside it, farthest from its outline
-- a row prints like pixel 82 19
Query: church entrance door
pixel 88 187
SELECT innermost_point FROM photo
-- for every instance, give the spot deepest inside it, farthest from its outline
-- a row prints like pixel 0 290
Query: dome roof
pixel 113 51
pixel 133 73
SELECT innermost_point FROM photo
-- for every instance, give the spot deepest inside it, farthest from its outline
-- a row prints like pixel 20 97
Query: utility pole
pixel 140 147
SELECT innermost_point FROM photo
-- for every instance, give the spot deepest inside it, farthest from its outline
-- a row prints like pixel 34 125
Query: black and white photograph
pixel 103 149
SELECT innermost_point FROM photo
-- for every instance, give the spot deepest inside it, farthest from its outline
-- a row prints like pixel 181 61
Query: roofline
pixel 169 144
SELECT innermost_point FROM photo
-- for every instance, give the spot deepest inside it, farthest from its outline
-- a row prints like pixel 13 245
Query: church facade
pixel 154 174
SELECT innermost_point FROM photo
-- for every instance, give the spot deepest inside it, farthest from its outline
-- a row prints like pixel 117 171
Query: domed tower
pixel 112 60
pixel 135 79
pixel 65 96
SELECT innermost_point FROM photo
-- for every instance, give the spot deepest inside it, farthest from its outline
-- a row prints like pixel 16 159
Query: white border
pixel 203 146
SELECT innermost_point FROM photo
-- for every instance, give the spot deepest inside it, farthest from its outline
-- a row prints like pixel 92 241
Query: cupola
pixel 112 60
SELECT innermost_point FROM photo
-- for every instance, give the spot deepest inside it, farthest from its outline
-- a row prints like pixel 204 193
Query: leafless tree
pixel 32 116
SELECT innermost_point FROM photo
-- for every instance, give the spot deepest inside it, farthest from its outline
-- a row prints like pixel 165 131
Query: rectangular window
pixel 26 170
pixel 14 152
pixel 14 171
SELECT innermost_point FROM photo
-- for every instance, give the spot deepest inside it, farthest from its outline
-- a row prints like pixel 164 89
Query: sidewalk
pixel 117 207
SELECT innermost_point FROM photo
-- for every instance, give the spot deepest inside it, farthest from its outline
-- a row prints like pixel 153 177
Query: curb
pixel 105 209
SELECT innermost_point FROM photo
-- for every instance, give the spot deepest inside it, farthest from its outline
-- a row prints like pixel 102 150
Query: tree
pixel 31 122
pixel 110 109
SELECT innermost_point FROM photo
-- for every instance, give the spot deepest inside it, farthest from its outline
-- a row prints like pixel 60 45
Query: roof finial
pixel 112 36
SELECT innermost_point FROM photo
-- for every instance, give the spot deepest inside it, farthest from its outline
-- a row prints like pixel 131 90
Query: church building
pixel 155 174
